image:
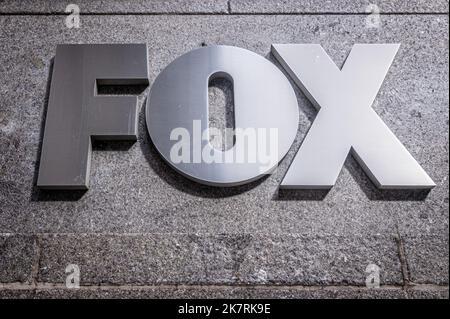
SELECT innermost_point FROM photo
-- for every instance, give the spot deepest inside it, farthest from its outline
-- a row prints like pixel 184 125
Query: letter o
pixel 263 99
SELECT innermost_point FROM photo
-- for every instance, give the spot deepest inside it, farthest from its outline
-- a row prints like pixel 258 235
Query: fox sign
pixel 266 115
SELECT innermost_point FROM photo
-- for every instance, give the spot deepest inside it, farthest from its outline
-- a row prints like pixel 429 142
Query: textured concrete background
pixel 143 230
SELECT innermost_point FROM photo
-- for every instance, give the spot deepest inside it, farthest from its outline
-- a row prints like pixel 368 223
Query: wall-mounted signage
pixel 266 115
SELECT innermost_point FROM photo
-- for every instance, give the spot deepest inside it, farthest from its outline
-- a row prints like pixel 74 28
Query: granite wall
pixel 143 230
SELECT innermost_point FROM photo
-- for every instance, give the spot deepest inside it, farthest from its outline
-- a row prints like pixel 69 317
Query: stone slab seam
pixel 403 261
pixel 36 260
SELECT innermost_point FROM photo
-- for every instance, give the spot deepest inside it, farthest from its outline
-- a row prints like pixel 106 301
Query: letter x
pixel 346 122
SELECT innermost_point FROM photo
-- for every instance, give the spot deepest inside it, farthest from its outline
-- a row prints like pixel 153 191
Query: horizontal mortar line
pixel 325 13
pixel 43 285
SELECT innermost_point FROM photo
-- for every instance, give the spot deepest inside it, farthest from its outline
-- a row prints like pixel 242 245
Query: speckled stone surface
pixel 220 259
pixel 341 6
pixel 17 258
pixel 208 292
pixel 224 6
pixel 221 291
pixel 141 223
pixel 116 6
pixel 427 256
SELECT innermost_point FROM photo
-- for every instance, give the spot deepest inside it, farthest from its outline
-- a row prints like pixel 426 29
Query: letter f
pixel 76 114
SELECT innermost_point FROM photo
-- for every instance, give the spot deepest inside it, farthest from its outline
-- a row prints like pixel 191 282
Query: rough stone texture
pixel 219 259
pixel 427 259
pixel 17 258
pixel 208 292
pixel 147 224
pixel 224 6
pixel 133 190
pixel 340 6
pixel 221 113
pixel 427 292
pixel 116 6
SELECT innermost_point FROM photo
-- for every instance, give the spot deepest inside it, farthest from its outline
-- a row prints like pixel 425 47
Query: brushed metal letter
pixel 75 113
pixel 263 99
pixel 346 122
